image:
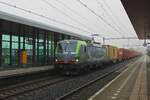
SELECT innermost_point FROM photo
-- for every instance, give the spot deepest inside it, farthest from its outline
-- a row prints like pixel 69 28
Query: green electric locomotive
pixel 75 56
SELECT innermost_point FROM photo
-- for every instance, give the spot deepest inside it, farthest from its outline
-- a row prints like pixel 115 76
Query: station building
pixel 39 43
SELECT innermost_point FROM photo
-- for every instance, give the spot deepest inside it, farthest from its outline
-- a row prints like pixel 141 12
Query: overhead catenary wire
pixel 73 11
pixel 100 17
pixel 111 17
pixel 62 12
pixel 43 16
pixel 114 15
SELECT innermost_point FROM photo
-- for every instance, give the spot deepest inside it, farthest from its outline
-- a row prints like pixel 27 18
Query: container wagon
pixel 112 53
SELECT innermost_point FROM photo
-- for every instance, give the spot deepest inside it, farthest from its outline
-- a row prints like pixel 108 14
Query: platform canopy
pixel 139 14
pixel 78 17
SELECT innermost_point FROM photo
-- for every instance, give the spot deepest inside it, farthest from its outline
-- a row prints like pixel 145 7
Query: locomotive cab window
pixel 66 46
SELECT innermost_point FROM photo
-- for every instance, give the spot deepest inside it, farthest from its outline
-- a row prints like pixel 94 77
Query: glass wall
pixel 29 49
pixel 14 50
pixel 5 50
pixel 41 49
pixel 50 48
pixel 38 44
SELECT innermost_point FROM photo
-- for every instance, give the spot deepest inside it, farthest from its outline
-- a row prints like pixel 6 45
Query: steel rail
pixel 88 83
pixel 28 87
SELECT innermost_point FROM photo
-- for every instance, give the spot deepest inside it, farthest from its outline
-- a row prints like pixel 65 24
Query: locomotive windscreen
pixel 69 46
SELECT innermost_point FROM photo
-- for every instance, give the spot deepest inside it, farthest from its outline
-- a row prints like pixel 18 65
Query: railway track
pixel 26 87
pixel 56 87
pixel 74 97
pixel 88 89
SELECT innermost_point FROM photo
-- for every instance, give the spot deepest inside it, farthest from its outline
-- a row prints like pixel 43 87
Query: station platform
pixel 131 84
pixel 23 71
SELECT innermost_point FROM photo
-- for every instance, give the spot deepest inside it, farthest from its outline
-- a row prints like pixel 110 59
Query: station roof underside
pixel 139 14
pixel 14 18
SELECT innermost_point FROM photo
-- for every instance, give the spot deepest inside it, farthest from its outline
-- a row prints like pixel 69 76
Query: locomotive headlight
pixel 120 53
pixel 77 60
pixel 56 60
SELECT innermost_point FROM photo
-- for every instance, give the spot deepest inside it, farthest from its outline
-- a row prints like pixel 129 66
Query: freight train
pixel 74 56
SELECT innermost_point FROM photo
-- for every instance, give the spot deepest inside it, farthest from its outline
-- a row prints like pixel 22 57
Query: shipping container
pixel 123 54
pixel 112 53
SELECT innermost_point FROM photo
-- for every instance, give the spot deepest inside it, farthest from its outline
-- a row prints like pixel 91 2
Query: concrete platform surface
pixel 131 84
pixel 21 71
